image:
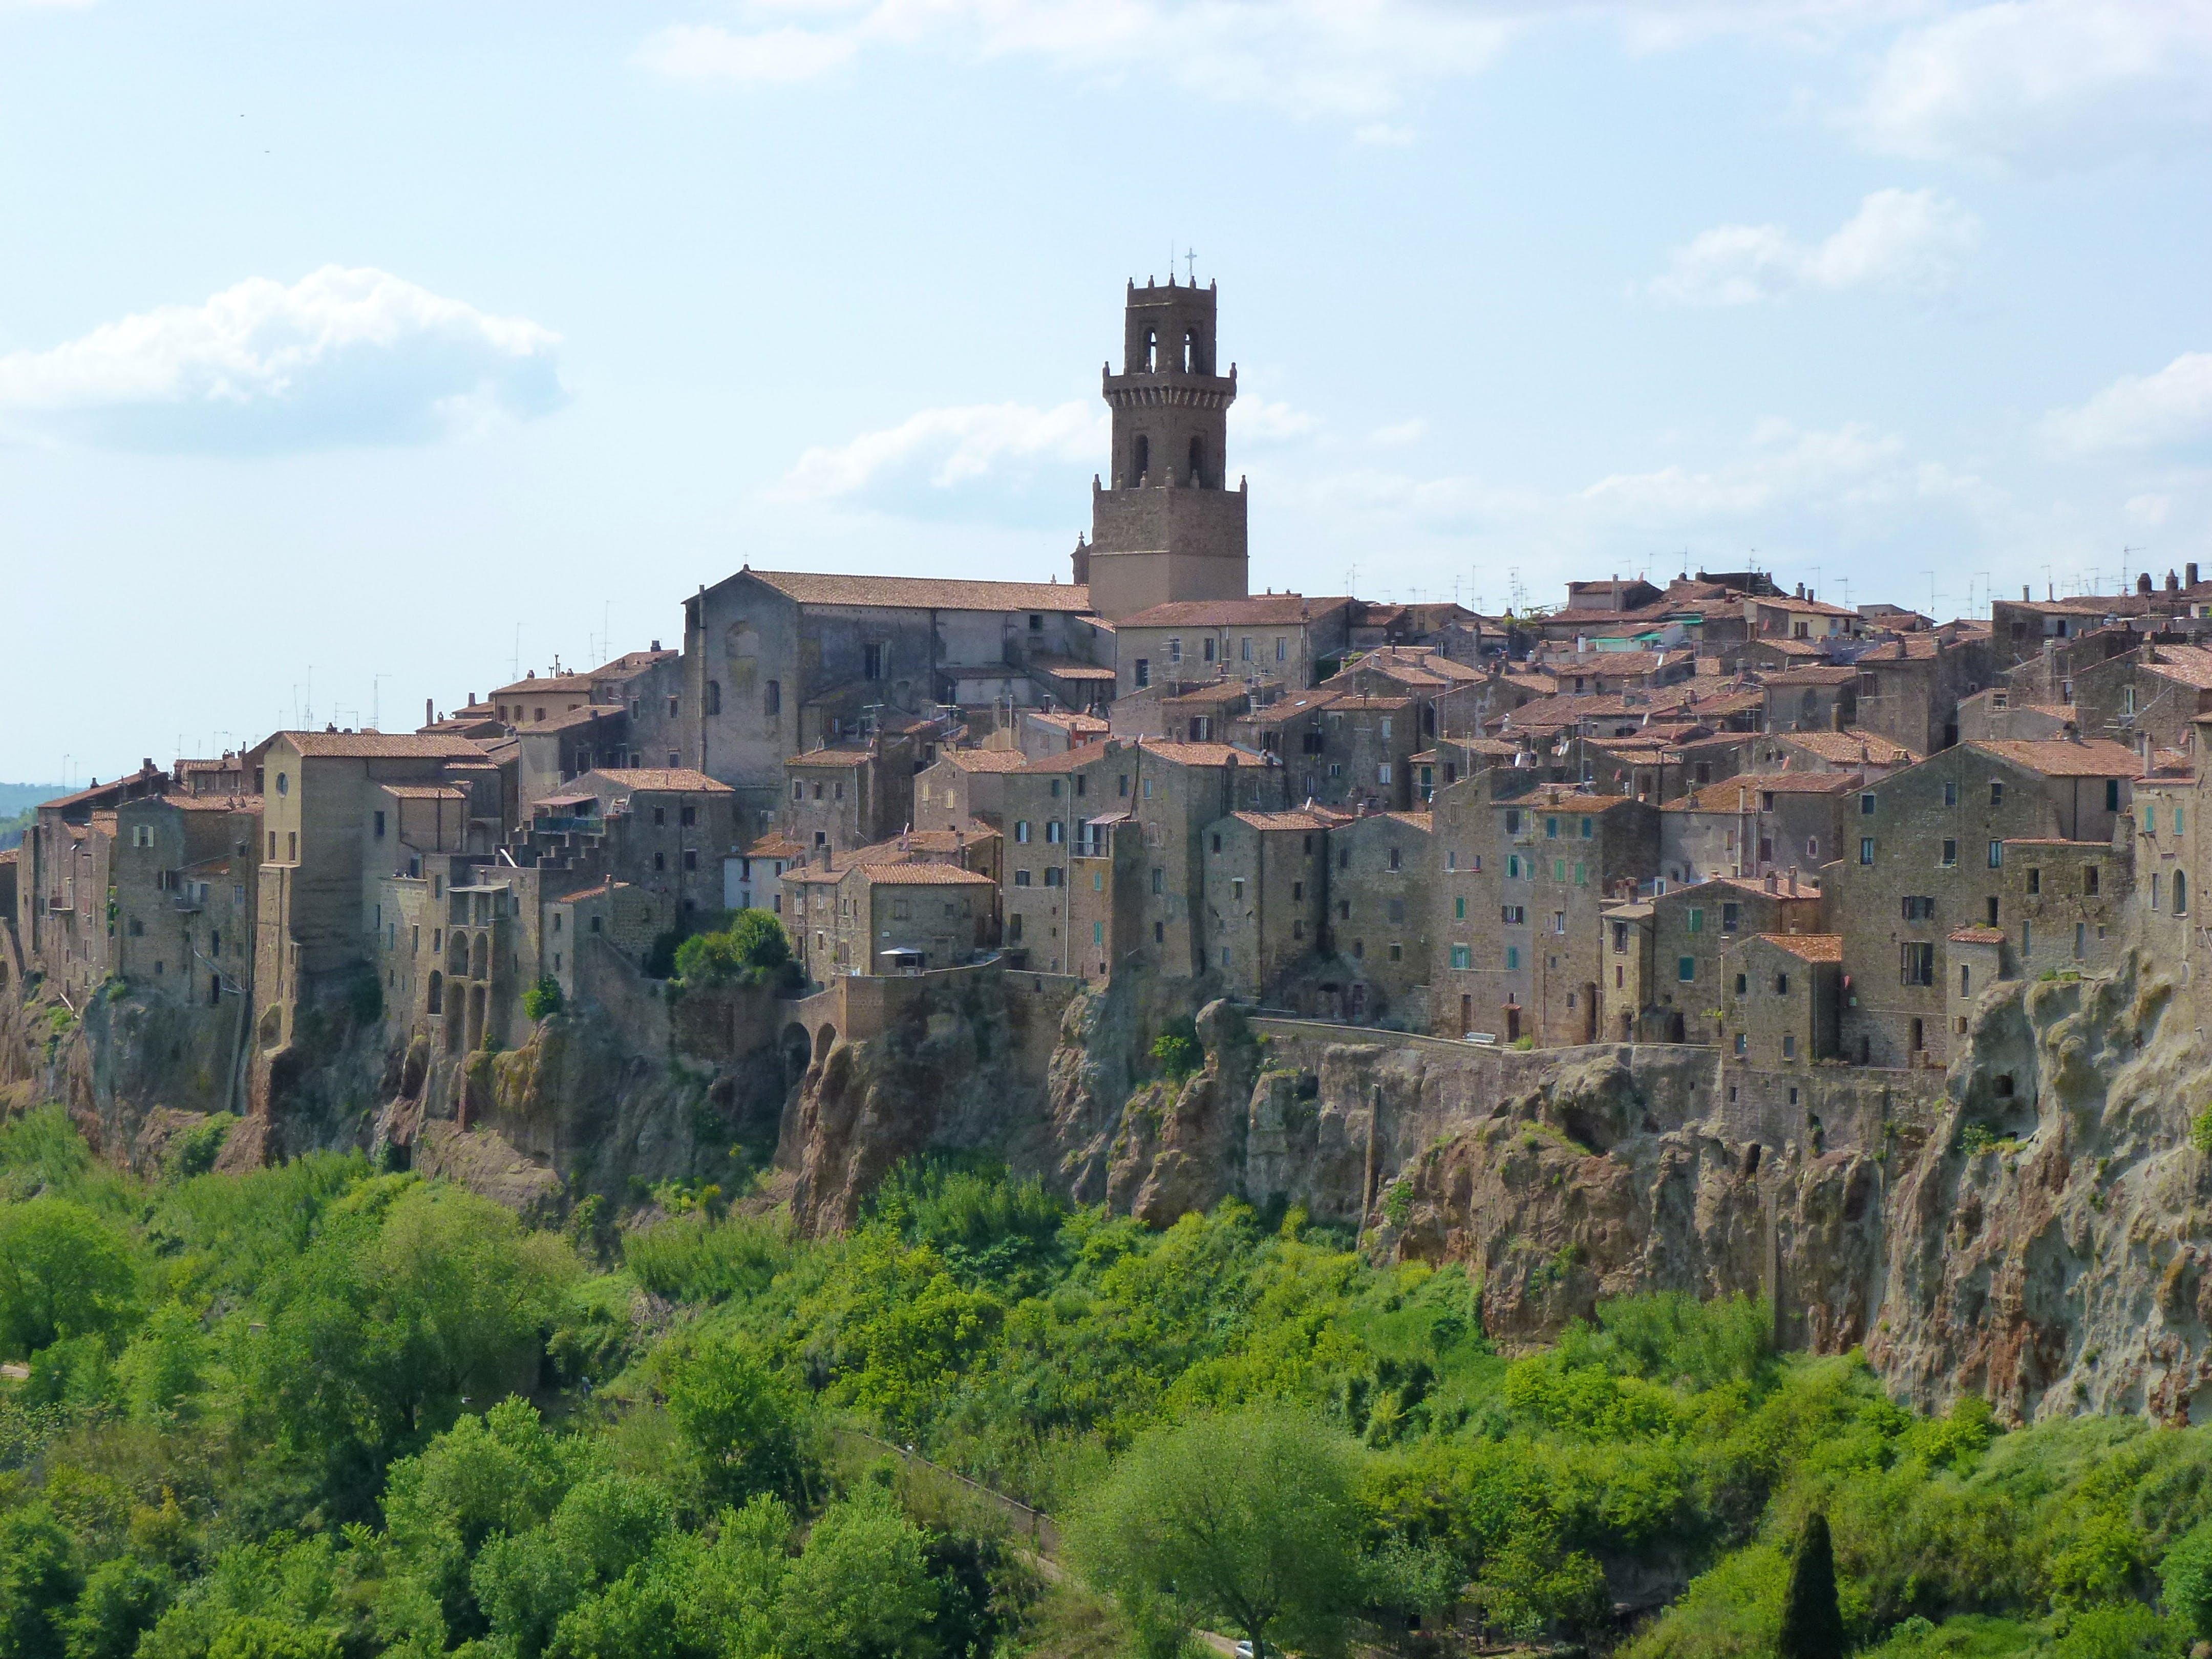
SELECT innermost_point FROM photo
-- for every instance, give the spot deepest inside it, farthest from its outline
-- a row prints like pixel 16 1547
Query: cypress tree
pixel 1812 1622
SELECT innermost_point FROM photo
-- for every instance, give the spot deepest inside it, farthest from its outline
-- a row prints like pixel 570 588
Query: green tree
pixel 63 1272
pixel 37 1581
pixel 1812 1620
pixel 123 1599
pixel 740 1422
pixel 2185 1578
pixel 862 1588
pixel 545 999
pixel 1242 1520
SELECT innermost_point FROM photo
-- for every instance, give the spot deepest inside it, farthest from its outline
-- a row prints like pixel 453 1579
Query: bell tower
pixel 1167 526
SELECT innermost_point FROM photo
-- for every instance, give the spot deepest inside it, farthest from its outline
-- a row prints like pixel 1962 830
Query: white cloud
pixel 2149 511
pixel 977 461
pixel 1852 468
pixel 2046 86
pixel 1903 241
pixel 2142 411
pixel 1348 57
pixel 1405 432
pixel 339 357
pixel 1257 421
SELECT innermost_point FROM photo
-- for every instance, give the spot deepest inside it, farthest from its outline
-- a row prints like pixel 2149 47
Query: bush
pixel 2200 1132
pixel 754 950
pixel 544 1000
pixel 1176 1050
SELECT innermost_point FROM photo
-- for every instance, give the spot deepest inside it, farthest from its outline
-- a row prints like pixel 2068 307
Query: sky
pixel 358 354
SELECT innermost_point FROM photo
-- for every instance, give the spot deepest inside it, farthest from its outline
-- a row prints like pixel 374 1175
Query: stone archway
pixel 824 1040
pixel 797 1049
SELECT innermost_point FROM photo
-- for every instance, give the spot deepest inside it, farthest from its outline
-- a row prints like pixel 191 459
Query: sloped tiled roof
pixel 923 592
pixel 380 745
pixel 1809 947
pixel 1260 610
pixel 1852 746
pixel 983 760
pixel 676 778
pixel 2095 759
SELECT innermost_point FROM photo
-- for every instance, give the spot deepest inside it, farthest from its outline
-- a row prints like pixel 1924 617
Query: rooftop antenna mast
pixel 376 700
pixel 515 671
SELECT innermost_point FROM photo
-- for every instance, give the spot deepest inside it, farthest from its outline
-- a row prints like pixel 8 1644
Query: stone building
pixel 1783 997
pixel 1266 884
pixel 906 917
pixel 1811 699
pixel 1106 882
pixel 1663 979
pixel 759 873
pixel 1380 913
pixel 1909 687
pixel 1929 852
pixel 1280 636
pixel 329 836
pixel 182 879
pixel 850 796
pixel 63 876
pixel 778 663
pixel 1047 806
pixel 1854 749
pixel 1758 823
pixel 962 785
pixel 1515 950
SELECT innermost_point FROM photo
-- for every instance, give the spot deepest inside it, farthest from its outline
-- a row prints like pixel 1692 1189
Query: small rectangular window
pixel 1866 848
pixel 1950 792
pixel 1462 956
pixel 1866 805
pixel 1996 792
pixel 1686 969
pixel 1996 855
pixel 1950 853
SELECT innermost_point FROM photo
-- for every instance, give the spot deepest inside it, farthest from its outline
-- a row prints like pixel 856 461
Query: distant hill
pixel 16 802
pixel 15 797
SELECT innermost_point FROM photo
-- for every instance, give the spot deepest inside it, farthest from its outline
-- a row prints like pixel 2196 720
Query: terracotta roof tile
pixel 2096 758
pixel 1852 746
pixel 923 592
pixel 1809 947
pixel 380 745
pixel 680 780
pixel 538 686
pixel 1979 936
pixel 921 875
pixel 1260 610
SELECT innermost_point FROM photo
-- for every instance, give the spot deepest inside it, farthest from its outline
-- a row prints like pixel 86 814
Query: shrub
pixel 2200 1132
pixel 754 950
pixel 1176 1050
pixel 545 999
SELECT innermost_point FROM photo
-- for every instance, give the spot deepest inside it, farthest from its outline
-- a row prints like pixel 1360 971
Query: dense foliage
pixel 322 1410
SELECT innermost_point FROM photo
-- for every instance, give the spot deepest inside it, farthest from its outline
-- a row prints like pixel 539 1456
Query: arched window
pixel 1152 351
pixel 714 696
pixel 1143 460
pixel 2180 894
pixel 1190 363
pixel 1197 456
pixel 437 991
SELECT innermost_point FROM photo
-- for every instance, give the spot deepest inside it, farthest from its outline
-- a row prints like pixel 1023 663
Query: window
pixel 2180 894
pixel 1459 907
pixel 1382 772
pixel 2150 819
pixel 1965 980
pixel 1144 675
pixel 1022 831
pixel 1244 651
pixel 1512 864
pixel 1513 916
pixel 1743 983
pixel 292 846
pixel 1551 829
pixel 2176 820
pixel 1055 832
pixel 1159 879
pixel 1021 878
pixel 2111 794
pixel 1916 963
pixel 1866 849
pixel 1919 908
pixel 2089 882
pixel 1558 921
pixel 1950 792
pixel 1950 858
pixel 1788 1046
pixel 1393 858
pixel 1781 985
pixel 691 858
pixel 1053 875
pixel 660 815
pixel 871 660
pixel 798 790
pixel 1581 874
pixel 1739 1047
pixel 1209 647
pixel 1996 855
pixel 1462 957
pixel 1236 888
pixel 1282 649
pixel 1512 957
pixel 660 861
pixel 2034 881
pixel 2153 887
pixel 1175 650
pixel 1865 806
pixel 1996 792
pixel 772 697
pixel 1697 920
pixel 1685 970
pixel 688 815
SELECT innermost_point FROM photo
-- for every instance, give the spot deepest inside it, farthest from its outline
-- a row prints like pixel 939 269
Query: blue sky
pixel 351 354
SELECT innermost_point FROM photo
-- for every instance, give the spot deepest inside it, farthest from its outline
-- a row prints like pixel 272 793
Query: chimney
pixel 2142 583
pixel 427 721
pixel 2172 582
pixel 1793 881
pixel 1773 882
pixel 1801 590
pixel 2025 596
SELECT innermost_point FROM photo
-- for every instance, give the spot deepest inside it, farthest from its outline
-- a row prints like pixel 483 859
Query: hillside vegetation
pixel 326 1410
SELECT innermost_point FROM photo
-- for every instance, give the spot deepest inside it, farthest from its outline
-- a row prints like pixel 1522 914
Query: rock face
pixel 2031 1226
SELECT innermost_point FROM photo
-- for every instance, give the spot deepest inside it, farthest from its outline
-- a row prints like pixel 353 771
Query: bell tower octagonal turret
pixel 1167 526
